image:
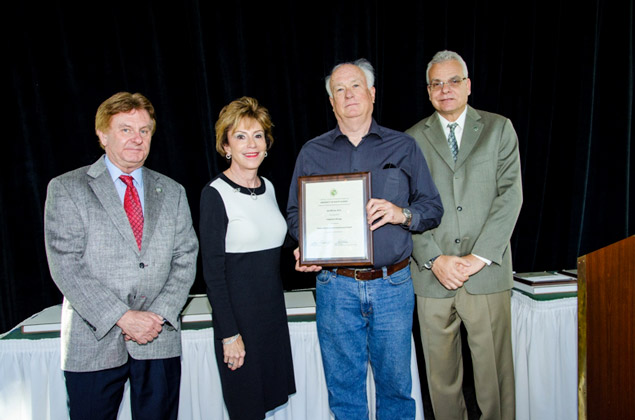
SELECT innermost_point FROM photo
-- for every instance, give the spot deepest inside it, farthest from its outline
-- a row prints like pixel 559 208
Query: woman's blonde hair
pixel 232 114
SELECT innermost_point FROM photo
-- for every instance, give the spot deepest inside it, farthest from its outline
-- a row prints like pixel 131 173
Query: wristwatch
pixel 406 212
pixel 428 265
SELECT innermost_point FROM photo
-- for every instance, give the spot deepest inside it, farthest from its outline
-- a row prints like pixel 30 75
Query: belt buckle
pixel 360 270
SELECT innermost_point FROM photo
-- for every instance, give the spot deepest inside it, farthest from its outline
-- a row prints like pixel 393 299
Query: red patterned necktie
pixel 132 205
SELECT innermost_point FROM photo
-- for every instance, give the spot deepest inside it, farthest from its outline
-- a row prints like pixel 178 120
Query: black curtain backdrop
pixel 562 71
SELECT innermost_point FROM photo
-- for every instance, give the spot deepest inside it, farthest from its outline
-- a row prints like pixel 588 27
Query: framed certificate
pixel 333 226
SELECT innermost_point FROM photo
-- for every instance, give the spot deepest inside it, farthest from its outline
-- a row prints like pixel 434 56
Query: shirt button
pixel 459 208
pixel 457 241
pixel 142 265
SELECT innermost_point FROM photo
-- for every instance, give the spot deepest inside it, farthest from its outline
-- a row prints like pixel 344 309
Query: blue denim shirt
pixel 399 174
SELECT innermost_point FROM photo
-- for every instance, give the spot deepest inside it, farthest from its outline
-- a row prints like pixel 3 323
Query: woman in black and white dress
pixel 241 233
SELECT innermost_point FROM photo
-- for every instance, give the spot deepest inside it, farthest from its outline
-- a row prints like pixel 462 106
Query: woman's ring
pixel 230 364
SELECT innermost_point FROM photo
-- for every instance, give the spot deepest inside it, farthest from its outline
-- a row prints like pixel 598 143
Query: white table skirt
pixel 32 383
pixel 545 346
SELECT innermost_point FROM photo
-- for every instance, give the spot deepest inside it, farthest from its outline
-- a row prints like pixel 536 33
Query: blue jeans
pixel 360 322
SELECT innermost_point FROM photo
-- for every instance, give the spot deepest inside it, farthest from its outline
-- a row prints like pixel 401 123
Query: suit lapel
pixel 436 137
pixel 153 201
pixel 105 191
pixel 471 133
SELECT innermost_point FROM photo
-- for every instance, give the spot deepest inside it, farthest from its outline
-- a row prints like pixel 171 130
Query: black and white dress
pixel 241 234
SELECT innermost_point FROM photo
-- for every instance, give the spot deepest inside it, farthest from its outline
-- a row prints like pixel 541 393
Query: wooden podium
pixel 606 332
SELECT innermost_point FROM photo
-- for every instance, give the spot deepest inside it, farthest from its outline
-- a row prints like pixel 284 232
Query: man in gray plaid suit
pixel 122 249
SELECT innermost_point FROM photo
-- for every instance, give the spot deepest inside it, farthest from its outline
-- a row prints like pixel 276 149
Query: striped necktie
pixel 454 147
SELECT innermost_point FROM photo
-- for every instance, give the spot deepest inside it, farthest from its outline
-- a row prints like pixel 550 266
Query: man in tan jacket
pixel 462 270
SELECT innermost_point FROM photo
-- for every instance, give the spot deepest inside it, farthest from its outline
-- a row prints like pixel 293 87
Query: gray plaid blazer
pixel 94 260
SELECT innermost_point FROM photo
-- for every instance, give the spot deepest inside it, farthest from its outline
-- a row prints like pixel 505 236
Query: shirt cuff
pixel 485 260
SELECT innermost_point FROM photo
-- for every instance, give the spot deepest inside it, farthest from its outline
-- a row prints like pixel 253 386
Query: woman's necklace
pixel 252 192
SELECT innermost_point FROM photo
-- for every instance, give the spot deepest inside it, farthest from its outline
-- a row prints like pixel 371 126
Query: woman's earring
pixel 228 156
pixel 265 154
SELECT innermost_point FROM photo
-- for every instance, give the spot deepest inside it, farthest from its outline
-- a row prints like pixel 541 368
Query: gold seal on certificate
pixel 333 226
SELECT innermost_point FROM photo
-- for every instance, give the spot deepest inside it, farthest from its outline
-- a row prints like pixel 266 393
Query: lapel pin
pixel 159 189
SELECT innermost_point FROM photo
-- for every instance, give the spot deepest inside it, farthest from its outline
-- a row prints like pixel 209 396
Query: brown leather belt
pixel 365 274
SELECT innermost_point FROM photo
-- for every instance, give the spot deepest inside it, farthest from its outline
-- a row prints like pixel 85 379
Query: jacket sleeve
pixel 169 302
pixel 65 236
pixel 499 226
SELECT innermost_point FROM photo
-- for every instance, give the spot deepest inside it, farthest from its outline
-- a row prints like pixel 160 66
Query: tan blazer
pixel 94 260
pixel 481 195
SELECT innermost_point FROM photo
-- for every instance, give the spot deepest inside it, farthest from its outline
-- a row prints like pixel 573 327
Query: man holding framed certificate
pixel 357 193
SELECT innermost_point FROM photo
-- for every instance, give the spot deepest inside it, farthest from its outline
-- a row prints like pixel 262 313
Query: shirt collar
pixel 373 129
pixel 115 172
pixel 460 121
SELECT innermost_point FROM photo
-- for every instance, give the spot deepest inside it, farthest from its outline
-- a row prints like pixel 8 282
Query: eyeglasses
pixel 453 83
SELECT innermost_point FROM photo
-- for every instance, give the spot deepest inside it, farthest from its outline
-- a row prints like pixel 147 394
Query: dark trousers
pixel 154 390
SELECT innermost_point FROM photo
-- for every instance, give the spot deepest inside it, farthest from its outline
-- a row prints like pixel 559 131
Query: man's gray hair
pixel 443 56
pixel 363 64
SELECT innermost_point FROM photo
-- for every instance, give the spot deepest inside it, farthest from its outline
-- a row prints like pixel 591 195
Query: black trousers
pixel 154 390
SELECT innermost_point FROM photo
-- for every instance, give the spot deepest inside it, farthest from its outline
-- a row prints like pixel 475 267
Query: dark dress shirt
pixel 399 174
